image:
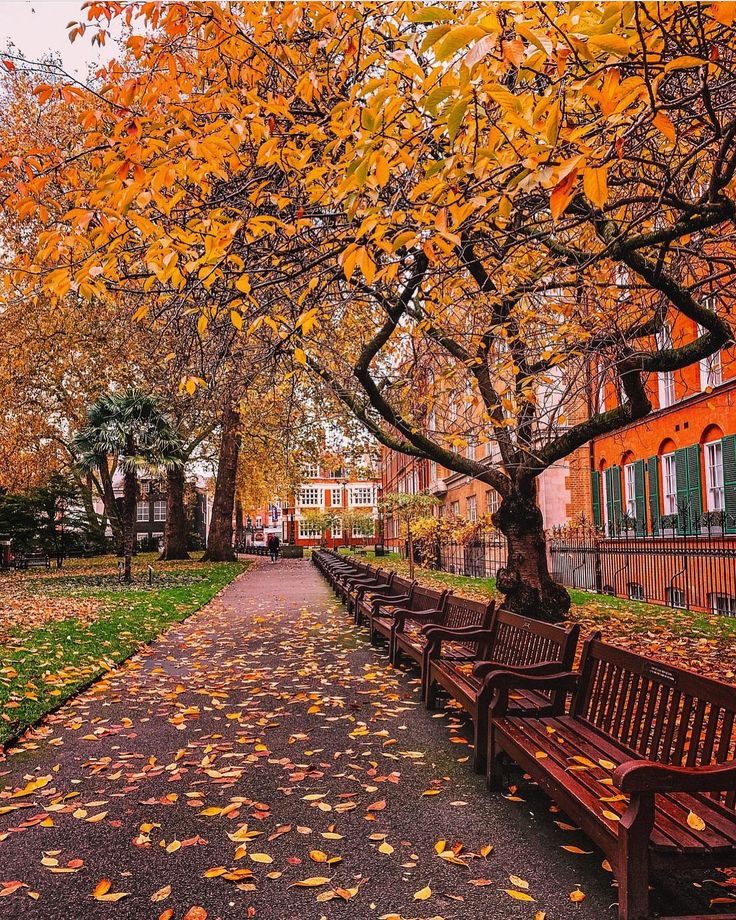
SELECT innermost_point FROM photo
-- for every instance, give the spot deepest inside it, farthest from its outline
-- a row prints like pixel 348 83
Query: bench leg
pixel 494 771
pixel 635 828
pixel 430 690
pixel 480 741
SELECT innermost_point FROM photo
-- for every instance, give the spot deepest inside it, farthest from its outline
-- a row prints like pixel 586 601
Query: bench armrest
pixel 389 599
pixel 403 613
pixel 502 681
pixel 436 635
pixel 648 776
pixel 542 668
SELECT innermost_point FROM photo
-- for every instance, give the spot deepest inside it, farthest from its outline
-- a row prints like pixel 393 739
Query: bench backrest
pixel 519 640
pixel 465 611
pixel 659 712
pixel 427 599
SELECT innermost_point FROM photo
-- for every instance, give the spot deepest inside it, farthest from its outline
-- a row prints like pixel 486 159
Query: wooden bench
pixel 644 762
pixel 461 661
pixel 32 561
pixel 381 582
pixel 411 629
pixel 399 592
pixel 418 600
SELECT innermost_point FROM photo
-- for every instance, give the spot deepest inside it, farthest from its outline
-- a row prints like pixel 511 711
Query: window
pixel 636 591
pixel 676 598
pixel 142 512
pixel 665 379
pixel 311 471
pixel 363 528
pixel 159 511
pixel 630 482
pixel 140 537
pixel 310 495
pixel 492 501
pixel 601 388
pixel 714 476
pixel 361 495
pixel 711 372
pixel 669 483
pixel 472 508
pixel 145 487
pixel 158 536
pixel 455 509
pixel 259 520
pixel 336 496
pixel 433 471
pixel 723 604
pixel 309 531
pixel 470 449
pixel 337 529
pixel 338 473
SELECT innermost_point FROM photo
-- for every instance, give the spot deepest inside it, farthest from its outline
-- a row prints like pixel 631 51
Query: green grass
pixel 597 610
pixel 41 667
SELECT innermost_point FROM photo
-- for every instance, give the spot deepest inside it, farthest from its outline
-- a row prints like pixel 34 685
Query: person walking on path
pixel 273 544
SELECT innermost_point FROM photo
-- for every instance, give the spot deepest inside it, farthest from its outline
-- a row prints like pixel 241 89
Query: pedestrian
pixel 273 544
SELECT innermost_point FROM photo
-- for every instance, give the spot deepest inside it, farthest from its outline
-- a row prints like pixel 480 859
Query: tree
pixel 130 427
pixel 453 189
pixel 408 507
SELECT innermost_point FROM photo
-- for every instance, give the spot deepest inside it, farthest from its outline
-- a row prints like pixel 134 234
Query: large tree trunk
pixel 111 507
pixel 220 538
pixel 130 499
pixel 525 581
pixel 177 526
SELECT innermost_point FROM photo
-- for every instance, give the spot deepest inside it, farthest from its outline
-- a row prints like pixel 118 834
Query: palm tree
pixel 130 426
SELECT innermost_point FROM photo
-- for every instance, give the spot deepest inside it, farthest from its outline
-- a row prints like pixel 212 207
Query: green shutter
pixel 689 497
pixel 614 499
pixel 653 477
pixel 728 448
pixel 595 485
pixel 641 504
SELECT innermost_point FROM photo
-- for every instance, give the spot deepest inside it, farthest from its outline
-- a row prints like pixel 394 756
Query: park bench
pixel 397 593
pixel 380 582
pixel 411 629
pixel 460 661
pixel 32 561
pixel 331 565
pixel 346 577
pixel 643 762
pixel 419 602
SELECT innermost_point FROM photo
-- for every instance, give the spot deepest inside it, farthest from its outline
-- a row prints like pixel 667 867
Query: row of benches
pixel 641 754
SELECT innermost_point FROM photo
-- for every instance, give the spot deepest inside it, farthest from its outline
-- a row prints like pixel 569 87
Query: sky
pixel 39 26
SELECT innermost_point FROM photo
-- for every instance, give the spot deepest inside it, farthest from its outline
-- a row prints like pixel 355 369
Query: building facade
pixel 673 472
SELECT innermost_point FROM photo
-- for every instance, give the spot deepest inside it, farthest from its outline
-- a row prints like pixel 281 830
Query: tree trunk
pixel 95 524
pixel 525 580
pixel 176 527
pixel 220 538
pixel 130 500
pixel 111 507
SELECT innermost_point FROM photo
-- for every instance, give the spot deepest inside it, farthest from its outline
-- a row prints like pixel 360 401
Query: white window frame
pixel 311 471
pixel 669 484
pixel 493 501
pixel 145 487
pixel 472 506
pixel 722 604
pixel 142 512
pixel 665 379
pixel 308 531
pixel 158 536
pixel 159 511
pixel 711 368
pixel 636 591
pixel 359 530
pixel 311 497
pixel 337 529
pixel 336 496
pixel 676 598
pixel 455 509
pixel 140 537
pixel 361 496
pixel 630 488
pixel 713 456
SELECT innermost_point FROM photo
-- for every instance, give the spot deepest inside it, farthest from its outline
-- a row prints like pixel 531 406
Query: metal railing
pixel 478 559
pixel 690 571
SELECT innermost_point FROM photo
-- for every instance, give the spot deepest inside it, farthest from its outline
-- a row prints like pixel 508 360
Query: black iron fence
pixel 687 571
pixel 478 559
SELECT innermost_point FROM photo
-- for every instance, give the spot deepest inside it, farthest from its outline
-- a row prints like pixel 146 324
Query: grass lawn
pixel 693 639
pixel 61 629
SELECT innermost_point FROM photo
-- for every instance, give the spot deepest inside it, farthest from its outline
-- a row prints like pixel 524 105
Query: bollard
pixel 150 576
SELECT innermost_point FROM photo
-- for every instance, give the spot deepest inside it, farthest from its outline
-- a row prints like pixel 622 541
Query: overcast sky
pixel 38 26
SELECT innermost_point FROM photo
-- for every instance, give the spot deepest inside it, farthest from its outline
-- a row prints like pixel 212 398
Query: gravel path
pixel 259 745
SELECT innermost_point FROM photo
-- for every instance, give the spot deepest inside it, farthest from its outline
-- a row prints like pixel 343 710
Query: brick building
pixel 674 471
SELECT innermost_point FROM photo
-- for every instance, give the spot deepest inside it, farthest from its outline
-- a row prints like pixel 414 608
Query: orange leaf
pixel 562 194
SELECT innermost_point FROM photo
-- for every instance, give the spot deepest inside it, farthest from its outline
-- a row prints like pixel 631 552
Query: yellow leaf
pixel 32 787
pixel 577 896
pixel 431 14
pixel 386 848
pixel 518 895
pixel 260 857
pixel 243 284
pixel 613 44
pixel 318 856
pixel 440 846
pixel 456 39
pixel 595 186
pixel 684 62
pixel 161 894
pixel 314 882
pixel 423 893
pixel 611 815
pixel 300 357
pixel 695 822
pixel 663 124
pixel 236 319
pixel 519 882
pixel 541 755
pixel 102 887
pixel 577 850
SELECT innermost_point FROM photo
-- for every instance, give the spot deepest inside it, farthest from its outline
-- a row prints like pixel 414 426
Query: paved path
pixel 229 760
